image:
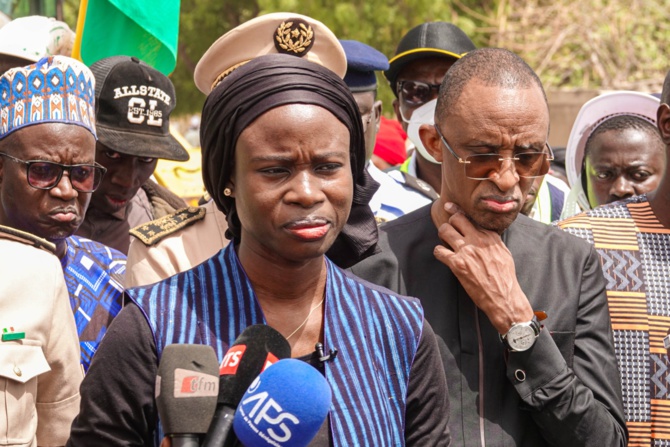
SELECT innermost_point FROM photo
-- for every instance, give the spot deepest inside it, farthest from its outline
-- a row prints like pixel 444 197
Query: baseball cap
pixel 592 114
pixel 56 89
pixel 280 32
pixel 428 40
pixel 362 62
pixel 133 102
pixel 34 37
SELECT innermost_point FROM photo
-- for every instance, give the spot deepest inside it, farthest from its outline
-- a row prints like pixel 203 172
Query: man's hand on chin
pixel 485 268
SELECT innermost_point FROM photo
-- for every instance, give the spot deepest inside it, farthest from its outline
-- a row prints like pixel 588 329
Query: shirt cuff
pixel 531 370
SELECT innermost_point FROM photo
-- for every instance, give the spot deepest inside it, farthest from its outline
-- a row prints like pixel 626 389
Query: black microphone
pixel 186 392
pixel 256 348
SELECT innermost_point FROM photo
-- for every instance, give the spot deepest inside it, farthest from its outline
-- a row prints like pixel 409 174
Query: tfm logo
pixel 267 416
pixel 189 383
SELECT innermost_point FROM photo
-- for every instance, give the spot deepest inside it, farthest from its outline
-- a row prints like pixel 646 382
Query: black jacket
pixel 571 394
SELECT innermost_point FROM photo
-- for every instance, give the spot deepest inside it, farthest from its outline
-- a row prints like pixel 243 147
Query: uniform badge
pixel 153 232
pixel 294 36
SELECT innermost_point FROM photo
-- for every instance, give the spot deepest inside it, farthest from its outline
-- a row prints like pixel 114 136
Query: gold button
pixel 17 371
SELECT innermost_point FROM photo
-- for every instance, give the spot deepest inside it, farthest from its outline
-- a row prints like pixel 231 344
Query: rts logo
pixel 232 360
pixel 265 416
pixel 233 357
pixel 189 383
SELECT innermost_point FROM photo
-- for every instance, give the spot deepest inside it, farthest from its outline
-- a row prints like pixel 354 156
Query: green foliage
pixel 610 44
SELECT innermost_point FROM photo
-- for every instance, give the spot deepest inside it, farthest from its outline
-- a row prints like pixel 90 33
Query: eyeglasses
pixel 486 166
pixel 47 174
pixel 416 93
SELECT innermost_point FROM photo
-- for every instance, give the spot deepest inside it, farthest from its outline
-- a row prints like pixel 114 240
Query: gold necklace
pixel 306 319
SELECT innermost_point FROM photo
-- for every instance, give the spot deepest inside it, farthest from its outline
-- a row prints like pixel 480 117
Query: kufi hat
pixel 362 62
pixel 428 40
pixel 34 37
pixel 56 89
pixel 280 32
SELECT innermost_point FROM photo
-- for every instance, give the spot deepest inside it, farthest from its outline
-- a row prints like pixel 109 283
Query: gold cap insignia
pixel 294 36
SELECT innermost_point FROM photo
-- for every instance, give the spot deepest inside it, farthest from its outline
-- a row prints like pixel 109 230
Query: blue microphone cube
pixel 284 407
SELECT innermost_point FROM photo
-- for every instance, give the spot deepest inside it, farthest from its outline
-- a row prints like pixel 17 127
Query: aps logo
pixel 265 415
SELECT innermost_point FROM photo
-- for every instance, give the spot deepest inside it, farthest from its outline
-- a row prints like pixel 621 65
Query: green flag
pixel 146 29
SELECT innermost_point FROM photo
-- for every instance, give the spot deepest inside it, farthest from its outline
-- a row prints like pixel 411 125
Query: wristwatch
pixel 521 336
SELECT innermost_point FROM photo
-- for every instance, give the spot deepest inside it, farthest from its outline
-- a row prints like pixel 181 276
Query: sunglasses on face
pixel 47 174
pixel 529 164
pixel 416 93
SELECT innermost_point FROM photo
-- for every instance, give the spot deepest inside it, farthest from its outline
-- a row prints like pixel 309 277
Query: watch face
pixel 520 337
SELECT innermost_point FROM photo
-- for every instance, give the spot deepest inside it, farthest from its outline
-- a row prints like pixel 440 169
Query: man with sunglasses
pixel 415 73
pixel 47 174
pixel 520 306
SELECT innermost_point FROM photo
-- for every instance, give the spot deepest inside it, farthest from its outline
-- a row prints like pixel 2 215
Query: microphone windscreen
pixel 257 347
pixel 187 386
pixel 284 407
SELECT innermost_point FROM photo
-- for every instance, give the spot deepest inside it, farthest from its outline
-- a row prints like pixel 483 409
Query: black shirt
pixel 118 406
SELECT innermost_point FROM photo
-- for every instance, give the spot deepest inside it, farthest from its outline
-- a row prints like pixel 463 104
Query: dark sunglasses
pixel 416 93
pixel 486 166
pixel 47 174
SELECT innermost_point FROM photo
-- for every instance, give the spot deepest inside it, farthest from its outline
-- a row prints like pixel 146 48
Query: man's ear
pixel 431 141
pixel 663 122
pixel 378 114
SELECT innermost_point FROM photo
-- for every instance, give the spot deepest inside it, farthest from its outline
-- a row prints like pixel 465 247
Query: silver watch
pixel 521 336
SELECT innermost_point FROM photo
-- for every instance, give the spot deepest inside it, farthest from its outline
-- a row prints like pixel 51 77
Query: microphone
pixel 257 347
pixel 284 407
pixel 186 390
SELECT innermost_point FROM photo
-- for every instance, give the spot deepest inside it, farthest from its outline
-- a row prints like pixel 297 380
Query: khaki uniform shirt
pixel 182 249
pixel 40 371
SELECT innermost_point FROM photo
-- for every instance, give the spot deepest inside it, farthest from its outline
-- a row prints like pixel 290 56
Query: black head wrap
pixel 271 81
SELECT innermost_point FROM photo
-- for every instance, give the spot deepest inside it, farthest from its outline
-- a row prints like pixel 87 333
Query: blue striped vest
pixel 375 331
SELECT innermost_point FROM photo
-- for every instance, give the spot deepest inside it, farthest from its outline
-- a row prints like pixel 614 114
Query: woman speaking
pixel 284 159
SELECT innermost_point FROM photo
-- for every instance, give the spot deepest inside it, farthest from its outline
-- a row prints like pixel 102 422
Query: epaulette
pixel 420 186
pixel 151 232
pixel 26 238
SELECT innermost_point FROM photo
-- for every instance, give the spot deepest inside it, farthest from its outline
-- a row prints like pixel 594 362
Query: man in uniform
pixel 421 60
pixel 391 199
pixel 521 307
pixel 39 359
pixel 133 106
pixel 632 237
pixel 47 175
pixel 190 236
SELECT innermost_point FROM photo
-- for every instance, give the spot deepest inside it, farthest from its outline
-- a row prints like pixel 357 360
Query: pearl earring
pixel 227 192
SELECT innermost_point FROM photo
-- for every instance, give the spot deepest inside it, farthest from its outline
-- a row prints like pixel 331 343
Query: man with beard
pixel 47 175
pixel 520 306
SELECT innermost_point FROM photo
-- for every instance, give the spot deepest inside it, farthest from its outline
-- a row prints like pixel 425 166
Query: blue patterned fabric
pixel 375 331
pixel 94 277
